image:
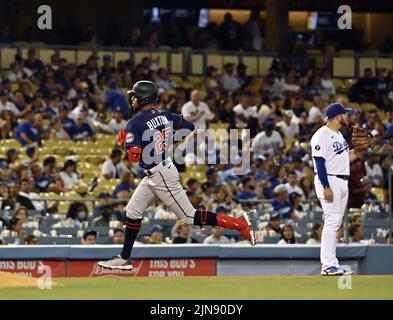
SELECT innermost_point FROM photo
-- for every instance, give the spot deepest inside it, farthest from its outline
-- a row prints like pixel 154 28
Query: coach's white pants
pixel 333 213
pixel 164 185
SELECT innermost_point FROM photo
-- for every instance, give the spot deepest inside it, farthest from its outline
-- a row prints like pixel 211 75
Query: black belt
pixel 164 163
pixel 339 176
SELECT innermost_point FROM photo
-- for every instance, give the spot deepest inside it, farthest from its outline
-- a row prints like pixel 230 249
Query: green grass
pixel 264 287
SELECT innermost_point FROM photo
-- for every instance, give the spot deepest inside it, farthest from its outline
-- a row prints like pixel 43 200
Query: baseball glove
pixel 361 139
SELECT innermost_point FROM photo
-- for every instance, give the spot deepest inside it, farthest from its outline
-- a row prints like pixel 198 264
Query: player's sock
pixel 132 229
pixel 204 217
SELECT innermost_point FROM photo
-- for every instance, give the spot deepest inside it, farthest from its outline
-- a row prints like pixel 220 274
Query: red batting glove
pixel 121 136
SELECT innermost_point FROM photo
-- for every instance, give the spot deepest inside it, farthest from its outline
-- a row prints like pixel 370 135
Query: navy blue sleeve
pixel 321 171
pixel 133 136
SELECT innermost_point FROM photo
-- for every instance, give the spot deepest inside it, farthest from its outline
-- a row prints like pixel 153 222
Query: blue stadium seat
pixel 102 231
pixel 269 240
pixel 67 231
pixel 104 240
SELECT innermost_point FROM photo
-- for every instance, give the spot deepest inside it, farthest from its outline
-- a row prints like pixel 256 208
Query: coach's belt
pixel 157 168
pixel 339 176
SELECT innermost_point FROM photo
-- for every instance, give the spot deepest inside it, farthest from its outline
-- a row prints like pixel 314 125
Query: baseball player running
pixel 147 140
pixel 331 158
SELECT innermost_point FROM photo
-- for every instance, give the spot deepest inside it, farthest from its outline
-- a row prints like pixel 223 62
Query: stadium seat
pixel 252 65
pixel 177 63
pixel 386 63
pixel 162 59
pixel 264 64
pixel 102 231
pixel 215 60
pixel 69 55
pixel 369 107
pixel 67 231
pixel 230 59
pixel 197 64
pixel 379 193
pixel 45 55
pixel 82 56
pixel 139 55
pixel 343 67
pixel 269 240
pixel 7 56
pixel 120 56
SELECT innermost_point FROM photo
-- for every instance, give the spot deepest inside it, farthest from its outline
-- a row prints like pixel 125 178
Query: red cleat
pixel 242 224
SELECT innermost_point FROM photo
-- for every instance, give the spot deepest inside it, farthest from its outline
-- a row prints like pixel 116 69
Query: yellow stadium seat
pixel 379 193
pixel 7 56
pixel 197 64
pixel 69 55
pixel 82 56
pixel 215 60
pixel 139 55
pixel 230 59
pixel 45 55
pixel 264 64
pixel 369 107
pixel 366 63
pixel 386 63
pixel 177 62
pixel 101 55
pixel 252 65
pixel 120 56
pixel 344 67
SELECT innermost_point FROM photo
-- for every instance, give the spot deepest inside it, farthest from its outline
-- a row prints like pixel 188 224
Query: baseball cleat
pixel 347 269
pixel 116 263
pixel 248 232
pixel 332 271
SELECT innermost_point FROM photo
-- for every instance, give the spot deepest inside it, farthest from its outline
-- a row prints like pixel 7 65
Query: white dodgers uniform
pixel 331 146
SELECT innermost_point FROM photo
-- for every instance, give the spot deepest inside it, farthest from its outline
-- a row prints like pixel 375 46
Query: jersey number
pixel 162 140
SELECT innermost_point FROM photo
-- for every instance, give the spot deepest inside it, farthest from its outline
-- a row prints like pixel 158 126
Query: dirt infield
pixel 10 280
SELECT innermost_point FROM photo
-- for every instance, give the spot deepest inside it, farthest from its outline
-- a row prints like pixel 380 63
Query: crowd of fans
pixel 60 102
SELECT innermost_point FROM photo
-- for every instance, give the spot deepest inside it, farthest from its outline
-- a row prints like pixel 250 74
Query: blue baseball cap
pixel 336 109
pixel 156 228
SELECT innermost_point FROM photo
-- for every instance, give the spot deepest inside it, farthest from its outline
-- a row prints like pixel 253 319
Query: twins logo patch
pixel 129 137
pixel 317 147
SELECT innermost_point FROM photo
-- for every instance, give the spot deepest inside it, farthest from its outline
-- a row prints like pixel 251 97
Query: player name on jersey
pixel 156 122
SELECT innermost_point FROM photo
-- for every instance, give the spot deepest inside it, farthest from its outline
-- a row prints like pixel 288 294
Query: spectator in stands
pixel 81 130
pixel 69 175
pixel 107 69
pixel 57 132
pixel 11 201
pixel 52 110
pixel 111 167
pixel 135 38
pixel 25 195
pixel 118 236
pixel 22 214
pixel 247 196
pixel 114 99
pixel 7 124
pixel 273 227
pixel 27 132
pixel 381 87
pixel 288 235
pixel 77 214
pixel 328 87
pixel 44 183
pixel 267 142
pixel 106 213
pixel 230 34
pixel 103 201
pixel 89 237
pixel 156 235
pixel 34 64
pixel 226 113
pixel 211 80
pixel 316 112
pixel 163 212
pixel 216 237
pixel 281 204
pixel 292 185
pixel 5 104
pixel 163 80
pixel 229 81
pixel 126 187
pixel 30 240
pixel 356 233
pixel 241 75
pixel 307 188
pixel 183 231
pixel 246 114
pixel 290 87
pixel 357 188
pixel 364 89
pixel 373 170
pixel 316 232
pixel 389 238
pixel 18 72
pixel 289 125
pixel 117 123
pixel 197 111
pixel 295 200
pixel 15 229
